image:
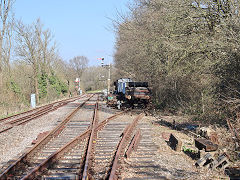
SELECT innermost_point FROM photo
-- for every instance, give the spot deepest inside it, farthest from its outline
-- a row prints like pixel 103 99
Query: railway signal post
pixel 109 74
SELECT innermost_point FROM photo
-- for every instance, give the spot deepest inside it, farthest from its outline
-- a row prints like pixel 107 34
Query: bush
pixel 58 85
pixel 42 85
pixel 14 87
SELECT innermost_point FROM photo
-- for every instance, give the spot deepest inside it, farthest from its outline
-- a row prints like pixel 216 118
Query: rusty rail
pixel 88 160
pixel 122 144
pixel 37 171
pixel 40 107
pixel 134 143
pixel 57 130
pixel 37 114
pixel 104 122
pixel 40 112
pixel 55 156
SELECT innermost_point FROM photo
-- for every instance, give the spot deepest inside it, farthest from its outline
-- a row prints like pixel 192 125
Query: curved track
pixel 88 144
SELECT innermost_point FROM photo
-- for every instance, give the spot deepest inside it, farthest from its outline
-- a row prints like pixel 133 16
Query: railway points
pixel 95 141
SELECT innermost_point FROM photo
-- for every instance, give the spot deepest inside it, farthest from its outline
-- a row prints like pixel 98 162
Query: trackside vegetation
pixel 189 52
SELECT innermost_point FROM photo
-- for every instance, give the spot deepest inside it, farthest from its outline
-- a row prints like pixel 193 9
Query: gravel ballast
pixel 166 163
pixel 15 141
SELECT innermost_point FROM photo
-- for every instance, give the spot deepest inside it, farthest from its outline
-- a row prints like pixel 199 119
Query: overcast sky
pixel 80 27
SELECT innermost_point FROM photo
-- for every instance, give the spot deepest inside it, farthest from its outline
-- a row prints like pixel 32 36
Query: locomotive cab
pixel 130 93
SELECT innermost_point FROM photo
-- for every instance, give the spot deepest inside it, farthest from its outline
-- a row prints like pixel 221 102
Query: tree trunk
pixel 36 85
pixel 1 78
pixel 1 64
pixel 203 106
pixel 1 82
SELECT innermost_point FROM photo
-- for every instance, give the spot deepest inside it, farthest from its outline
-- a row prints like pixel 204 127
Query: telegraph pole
pixel 109 74
pixel 109 78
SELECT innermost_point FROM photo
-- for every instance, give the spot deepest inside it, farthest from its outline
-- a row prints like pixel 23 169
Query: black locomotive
pixel 130 94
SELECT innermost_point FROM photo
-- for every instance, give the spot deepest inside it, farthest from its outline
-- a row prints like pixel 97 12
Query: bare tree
pixel 7 47
pixel 33 47
pixel 47 48
pixel 5 7
pixel 188 50
pixel 79 63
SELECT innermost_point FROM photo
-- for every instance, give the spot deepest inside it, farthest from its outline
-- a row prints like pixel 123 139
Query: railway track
pixel 142 163
pixel 22 118
pixel 84 145
pixel 96 142
pixel 79 158
pixel 65 131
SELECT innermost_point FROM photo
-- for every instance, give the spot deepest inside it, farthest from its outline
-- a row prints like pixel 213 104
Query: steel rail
pixel 55 156
pixel 104 122
pixel 57 130
pixel 122 144
pixel 46 109
pixel 86 174
pixel 134 143
pixel 42 111
pixel 29 117
pixel 44 165
pixel 37 171
pixel 40 107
